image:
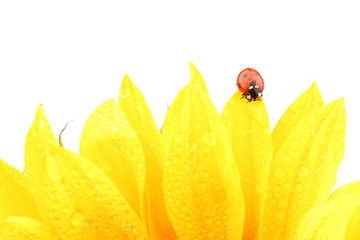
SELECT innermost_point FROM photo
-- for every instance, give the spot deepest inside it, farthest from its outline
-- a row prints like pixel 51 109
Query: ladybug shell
pixel 247 76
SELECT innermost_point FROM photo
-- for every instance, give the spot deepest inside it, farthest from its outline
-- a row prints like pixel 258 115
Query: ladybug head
pixel 254 93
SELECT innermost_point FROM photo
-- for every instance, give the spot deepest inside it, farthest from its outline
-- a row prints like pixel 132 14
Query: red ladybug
pixel 251 84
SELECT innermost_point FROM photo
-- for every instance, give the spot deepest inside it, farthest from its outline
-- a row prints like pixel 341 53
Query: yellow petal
pixel 248 127
pixel 39 134
pixel 173 115
pixel 308 102
pixel 175 111
pixel 23 228
pixel 83 202
pixel 15 198
pixel 201 182
pixel 138 113
pixel 195 75
pixel 338 219
pixel 110 142
pixel 351 188
pixel 303 171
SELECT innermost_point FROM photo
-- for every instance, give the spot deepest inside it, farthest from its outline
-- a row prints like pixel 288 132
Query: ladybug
pixel 251 84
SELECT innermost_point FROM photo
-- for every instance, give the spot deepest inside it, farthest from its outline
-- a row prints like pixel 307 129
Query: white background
pixel 71 56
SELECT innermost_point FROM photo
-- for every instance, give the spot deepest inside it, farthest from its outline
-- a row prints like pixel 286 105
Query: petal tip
pixel 40 114
pixel 126 81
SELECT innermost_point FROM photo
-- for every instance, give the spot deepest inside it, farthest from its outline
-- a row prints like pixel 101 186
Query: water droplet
pixel 179 137
pixel 314 133
pixel 192 146
pixel 280 172
pixel 78 218
pixel 280 214
pixel 303 171
pixel 209 138
pixel 54 171
pixel 197 125
pixel 124 92
pixel 133 133
pixel 91 173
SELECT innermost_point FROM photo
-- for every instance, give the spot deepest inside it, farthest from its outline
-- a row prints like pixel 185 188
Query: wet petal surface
pixel 39 134
pixel 23 228
pixel 338 219
pixel 15 198
pixel 176 109
pixel 201 181
pixel 303 171
pixel 351 188
pixel 109 141
pixel 308 103
pixel 248 127
pixel 138 113
pixel 83 202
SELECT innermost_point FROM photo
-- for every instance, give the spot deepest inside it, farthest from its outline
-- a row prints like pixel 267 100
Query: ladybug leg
pixel 248 96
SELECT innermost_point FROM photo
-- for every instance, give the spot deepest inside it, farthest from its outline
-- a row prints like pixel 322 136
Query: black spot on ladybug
pixel 239 85
pixel 255 73
pixel 245 75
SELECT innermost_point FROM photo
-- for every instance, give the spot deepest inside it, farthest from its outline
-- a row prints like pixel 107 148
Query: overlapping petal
pixel 351 188
pixel 195 75
pixel 249 130
pixel 109 141
pixel 176 109
pixel 201 182
pixel 204 178
pixel 308 103
pixel 303 171
pixel 83 202
pixel 15 198
pixel 39 134
pixel 23 228
pixel 338 219
pixel 138 113
pixel 79 200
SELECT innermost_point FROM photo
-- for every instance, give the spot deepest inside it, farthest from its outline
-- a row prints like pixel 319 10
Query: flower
pixel 205 177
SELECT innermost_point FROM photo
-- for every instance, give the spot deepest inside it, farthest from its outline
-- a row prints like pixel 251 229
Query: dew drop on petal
pixel 179 137
pixel 192 146
pixel 53 169
pixel 78 218
pixel 209 138
pixel 280 172
pixel 133 133
pixel 197 125
pixel 303 171
pixel 124 92
pixel 91 173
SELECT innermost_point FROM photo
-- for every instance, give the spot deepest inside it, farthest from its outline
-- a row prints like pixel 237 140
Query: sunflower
pixel 204 177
